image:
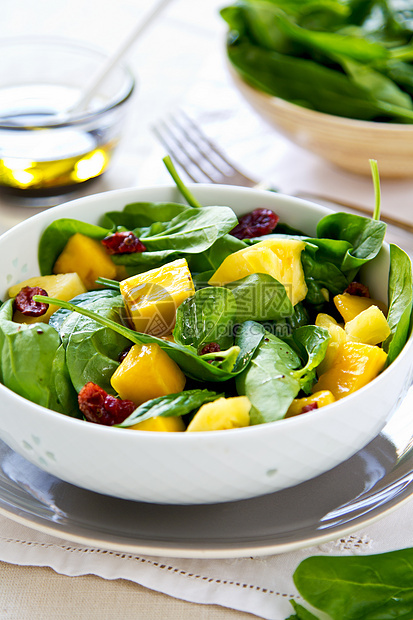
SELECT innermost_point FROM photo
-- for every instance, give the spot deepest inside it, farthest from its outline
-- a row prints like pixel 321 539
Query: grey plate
pixel 364 488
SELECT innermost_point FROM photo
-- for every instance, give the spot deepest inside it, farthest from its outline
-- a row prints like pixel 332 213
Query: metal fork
pixel 198 157
pixel 204 162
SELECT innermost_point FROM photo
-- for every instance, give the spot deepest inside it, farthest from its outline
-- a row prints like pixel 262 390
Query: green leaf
pixel 400 302
pixel 208 316
pixel 301 612
pixel 262 297
pixel 364 234
pixel 170 405
pixel 269 380
pixel 138 215
pixel 27 352
pixel 92 350
pixel 63 396
pixel 372 587
pixel 193 365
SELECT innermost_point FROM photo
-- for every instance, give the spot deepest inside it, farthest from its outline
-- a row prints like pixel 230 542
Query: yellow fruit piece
pixel 337 337
pixel 280 258
pixel 151 298
pixel 356 364
pixel 349 306
pixel 64 286
pixel 368 327
pixel 147 372
pixel 172 424
pixel 88 258
pixel 221 414
pixel 322 399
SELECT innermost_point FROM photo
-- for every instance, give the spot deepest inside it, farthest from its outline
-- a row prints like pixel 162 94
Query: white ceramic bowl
pixel 181 468
pixel 346 142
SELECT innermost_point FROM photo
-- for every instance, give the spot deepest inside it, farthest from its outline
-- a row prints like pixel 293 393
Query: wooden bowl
pixel 347 143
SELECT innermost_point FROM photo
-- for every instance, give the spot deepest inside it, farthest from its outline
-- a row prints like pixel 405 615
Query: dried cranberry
pixel 358 289
pixel 123 354
pixel 100 407
pixel 123 243
pixel 255 224
pixel 25 304
pixel 211 347
pixel 309 407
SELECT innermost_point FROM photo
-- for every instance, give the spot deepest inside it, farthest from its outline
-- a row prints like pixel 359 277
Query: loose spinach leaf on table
pixel 400 302
pixel 301 613
pixel 193 365
pixel 208 316
pixel 372 587
pixel 27 352
pixel 170 405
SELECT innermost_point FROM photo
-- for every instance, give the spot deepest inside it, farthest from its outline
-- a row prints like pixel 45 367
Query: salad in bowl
pixel 191 353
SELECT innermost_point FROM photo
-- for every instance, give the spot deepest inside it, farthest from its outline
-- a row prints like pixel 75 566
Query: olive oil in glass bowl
pixel 44 149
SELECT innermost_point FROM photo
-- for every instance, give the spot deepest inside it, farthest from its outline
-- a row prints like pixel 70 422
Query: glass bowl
pixel 45 150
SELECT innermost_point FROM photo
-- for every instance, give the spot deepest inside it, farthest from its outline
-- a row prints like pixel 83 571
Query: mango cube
pixel 321 399
pixel 88 258
pixel 221 414
pixel 152 298
pixel 147 372
pixel 368 327
pixel 280 258
pixel 64 286
pixel 337 337
pixel 355 365
pixel 349 306
pixel 162 424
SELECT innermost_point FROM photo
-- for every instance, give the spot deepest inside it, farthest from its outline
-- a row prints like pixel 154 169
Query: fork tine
pixel 178 148
pixel 200 136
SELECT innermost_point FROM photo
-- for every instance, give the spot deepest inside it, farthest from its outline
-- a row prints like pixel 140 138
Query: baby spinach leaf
pixel 193 365
pixel 310 343
pixel 57 234
pixel 248 336
pixel 92 350
pixel 216 254
pixel 319 276
pixel 57 318
pixel 400 302
pixel 370 587
pixel 365 235
pixel 301 613
pixel 191 232
pixel 27 352
pixel 260 296
pixel 170 405
pixel 137 215
pixel 63 396
pixel 208 316
pixel 269 380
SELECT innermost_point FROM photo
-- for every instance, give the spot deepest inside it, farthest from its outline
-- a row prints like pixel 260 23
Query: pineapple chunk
pixel 147 372
pixel 151 298
pixel 64 286
pixel 350 306
pixel 355 365
pixel 163 424
pixel 88 258
pixel 337 337
pixel 321 399
pixel 280 258
pixel 221 414
pixel 368 327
